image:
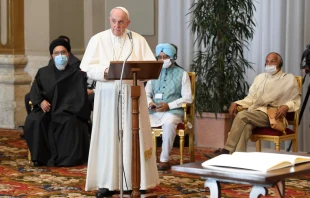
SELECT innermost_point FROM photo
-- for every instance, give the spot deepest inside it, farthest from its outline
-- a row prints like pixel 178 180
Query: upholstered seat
pixel 271 131
pixel 184 128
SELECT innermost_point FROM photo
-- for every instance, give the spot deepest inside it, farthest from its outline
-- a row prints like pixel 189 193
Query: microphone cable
pixel 121 166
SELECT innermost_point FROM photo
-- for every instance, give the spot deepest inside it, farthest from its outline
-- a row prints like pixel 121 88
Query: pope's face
pixel 118 22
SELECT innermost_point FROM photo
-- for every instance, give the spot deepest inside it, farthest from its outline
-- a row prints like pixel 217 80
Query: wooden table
pixel 260 181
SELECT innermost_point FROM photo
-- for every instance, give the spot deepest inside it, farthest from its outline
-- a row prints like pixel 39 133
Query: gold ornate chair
pixel 269 134
pixel 29 153
pixel 183 128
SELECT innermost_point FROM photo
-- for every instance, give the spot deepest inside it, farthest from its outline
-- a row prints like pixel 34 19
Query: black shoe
pixel 143 192
pixel 22 136
pixel 163 166
pixel 216 153
pixel 104 192
pixel 35 163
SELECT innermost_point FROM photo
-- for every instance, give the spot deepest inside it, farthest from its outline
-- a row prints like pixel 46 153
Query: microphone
pixel 129 35
pixel 131 42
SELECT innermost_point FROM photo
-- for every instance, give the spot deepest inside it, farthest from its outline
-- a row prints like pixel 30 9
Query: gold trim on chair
pixel 29 157
pixel 29 153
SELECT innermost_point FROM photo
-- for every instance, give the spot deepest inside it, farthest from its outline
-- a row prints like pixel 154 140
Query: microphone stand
pixel 121 120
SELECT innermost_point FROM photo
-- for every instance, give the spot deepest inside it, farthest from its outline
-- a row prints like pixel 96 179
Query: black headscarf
pixel 58 42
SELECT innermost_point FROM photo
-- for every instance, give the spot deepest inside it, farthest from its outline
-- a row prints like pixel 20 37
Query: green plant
pixel 222 28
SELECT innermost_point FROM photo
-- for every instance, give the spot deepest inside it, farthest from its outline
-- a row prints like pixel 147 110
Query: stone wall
pixel 14 84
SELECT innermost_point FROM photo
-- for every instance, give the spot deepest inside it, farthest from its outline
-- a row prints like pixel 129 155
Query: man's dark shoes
pixel 163 166
pixel 143 192
pixel 130 191
pixel 36 163
pixel 216 153
pixel 104 192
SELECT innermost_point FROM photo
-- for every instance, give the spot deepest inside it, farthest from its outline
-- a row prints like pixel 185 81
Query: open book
pixel 258 161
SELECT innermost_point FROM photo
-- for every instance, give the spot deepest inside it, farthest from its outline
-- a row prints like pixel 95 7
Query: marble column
pixel 14 81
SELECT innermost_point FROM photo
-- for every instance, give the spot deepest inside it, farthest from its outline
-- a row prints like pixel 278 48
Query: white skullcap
pixel 122 8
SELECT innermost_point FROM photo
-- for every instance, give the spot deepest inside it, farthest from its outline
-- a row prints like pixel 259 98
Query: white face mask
pixel 271 69
pixel 167 63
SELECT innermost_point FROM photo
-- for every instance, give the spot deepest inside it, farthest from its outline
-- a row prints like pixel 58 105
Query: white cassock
pixel 103 161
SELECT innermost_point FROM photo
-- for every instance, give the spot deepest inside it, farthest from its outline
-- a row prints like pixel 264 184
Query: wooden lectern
pixel 135 70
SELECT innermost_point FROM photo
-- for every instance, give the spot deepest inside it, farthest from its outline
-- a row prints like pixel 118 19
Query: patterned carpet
pixel 19 179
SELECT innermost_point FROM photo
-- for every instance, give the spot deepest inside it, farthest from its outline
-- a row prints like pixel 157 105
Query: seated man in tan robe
pixel 273 88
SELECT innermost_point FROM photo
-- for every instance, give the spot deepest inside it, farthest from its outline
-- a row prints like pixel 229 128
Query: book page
pixel 255 160
pixel 293 159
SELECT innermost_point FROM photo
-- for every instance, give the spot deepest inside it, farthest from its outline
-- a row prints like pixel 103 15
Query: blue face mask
pixel 61 61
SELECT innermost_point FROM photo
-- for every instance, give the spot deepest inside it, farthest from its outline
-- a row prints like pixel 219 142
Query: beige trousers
pixel 241 129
